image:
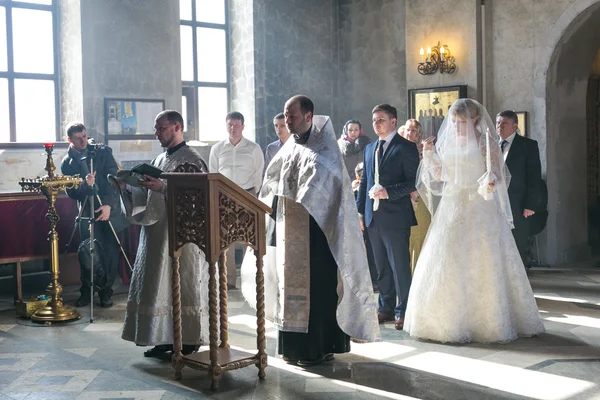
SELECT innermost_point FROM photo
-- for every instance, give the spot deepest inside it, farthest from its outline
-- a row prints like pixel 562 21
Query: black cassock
pixel 324 334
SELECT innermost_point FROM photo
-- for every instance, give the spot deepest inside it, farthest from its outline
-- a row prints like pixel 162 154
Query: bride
pixel 469 283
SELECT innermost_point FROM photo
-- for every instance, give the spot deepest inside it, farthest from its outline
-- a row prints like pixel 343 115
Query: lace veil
pixel 466 159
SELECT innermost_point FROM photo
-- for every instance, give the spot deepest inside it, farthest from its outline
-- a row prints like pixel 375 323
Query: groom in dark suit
pixel 389 226
pixel 522 158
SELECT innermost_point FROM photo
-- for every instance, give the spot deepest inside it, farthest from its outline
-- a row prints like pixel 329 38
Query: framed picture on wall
pixel 430 106
pixel 130 118
pixel 522 115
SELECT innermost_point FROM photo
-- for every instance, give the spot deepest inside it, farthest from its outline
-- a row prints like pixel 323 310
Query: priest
pixel 148 317
pixel 317 286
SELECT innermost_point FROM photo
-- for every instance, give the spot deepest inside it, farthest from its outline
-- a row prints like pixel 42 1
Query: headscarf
pixel 345 135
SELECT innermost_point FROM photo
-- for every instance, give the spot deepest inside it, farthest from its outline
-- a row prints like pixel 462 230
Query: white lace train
pixel 470 284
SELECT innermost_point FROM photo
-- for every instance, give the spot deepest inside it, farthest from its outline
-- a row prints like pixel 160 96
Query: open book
pixel 136 174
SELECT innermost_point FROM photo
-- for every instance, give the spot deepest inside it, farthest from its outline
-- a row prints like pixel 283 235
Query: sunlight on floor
pixel 564 299
pixel 375 392
pixel 248 320
pixel 380 350
pixel 332 383
pixel 522 382
pixel 577 320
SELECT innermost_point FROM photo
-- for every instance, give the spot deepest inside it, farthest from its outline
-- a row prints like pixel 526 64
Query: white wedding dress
pixel 469 283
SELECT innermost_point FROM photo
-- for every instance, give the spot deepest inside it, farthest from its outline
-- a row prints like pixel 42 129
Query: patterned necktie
pixel 503 144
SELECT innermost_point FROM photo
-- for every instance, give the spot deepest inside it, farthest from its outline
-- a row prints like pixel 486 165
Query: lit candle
pixel 442 51
pixel 428 53
pixel 421 53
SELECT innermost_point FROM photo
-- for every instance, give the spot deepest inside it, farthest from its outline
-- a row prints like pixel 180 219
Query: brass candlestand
pixel 51 185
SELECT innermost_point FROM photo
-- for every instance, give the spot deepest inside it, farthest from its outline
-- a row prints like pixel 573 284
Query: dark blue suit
pixel 389 226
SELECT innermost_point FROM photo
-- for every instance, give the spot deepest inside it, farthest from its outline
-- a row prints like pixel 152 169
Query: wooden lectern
pixel 213 212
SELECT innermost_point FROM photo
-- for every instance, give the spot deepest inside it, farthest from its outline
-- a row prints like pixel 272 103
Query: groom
pixel 389 226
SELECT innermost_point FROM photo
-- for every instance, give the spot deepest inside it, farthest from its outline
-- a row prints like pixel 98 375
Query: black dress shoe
pixel 158 351
pixel 83 301
pixel 105 298
pixel 106 303
pixel 189 349
pixel 308 363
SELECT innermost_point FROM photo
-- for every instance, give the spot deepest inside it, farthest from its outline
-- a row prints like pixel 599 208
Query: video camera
pixel 93 147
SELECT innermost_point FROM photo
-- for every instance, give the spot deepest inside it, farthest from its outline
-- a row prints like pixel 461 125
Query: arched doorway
pixel 593 156
pixel 562 104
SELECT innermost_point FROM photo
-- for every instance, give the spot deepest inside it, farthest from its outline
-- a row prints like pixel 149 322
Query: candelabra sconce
pixel 50 186
pixel 438 59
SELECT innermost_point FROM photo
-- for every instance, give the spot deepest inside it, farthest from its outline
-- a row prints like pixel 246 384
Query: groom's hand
pixel 381 194
pixel 528 213
pixel 362 222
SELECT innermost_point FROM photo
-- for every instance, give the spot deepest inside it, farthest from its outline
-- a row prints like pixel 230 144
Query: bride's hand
pixel 428 143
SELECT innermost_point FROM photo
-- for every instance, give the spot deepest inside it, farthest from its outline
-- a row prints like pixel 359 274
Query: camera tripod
pixel 91 220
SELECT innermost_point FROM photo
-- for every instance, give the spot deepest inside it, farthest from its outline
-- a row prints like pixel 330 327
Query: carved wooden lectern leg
pixel 261 341
pixel 177 335
pixel 223 300
pixel 214 371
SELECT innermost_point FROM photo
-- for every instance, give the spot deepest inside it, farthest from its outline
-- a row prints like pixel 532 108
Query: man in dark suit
pixel 522 158
pixel 389 226
pixel 77 161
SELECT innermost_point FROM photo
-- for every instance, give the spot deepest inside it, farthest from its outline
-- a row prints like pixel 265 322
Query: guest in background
pixel 418 232
pixel 401 130
pixel 352 144
pixel 242 161
pixel 282 133
pixel 522 157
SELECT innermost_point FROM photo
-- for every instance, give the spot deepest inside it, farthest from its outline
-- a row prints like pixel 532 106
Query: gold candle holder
pixel 50 186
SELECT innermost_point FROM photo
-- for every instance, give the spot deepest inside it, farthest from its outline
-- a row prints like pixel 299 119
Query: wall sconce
pixel 438 58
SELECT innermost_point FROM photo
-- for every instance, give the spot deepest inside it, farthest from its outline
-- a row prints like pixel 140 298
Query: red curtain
pixel 24 230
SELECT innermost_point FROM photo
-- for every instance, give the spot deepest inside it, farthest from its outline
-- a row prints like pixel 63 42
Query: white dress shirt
pixel 388 140
pixel 242 163
pixel 509 141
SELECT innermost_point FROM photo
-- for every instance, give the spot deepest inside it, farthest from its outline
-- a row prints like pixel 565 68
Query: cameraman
pixel 77 161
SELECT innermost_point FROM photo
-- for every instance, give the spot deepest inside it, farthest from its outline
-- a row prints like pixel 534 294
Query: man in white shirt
pixel 242 161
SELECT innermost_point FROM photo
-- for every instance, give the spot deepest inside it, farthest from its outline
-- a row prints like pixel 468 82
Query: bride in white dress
pixel 469 283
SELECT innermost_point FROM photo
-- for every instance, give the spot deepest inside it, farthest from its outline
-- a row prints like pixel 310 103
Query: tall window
pixel 204 67
pixel 28 71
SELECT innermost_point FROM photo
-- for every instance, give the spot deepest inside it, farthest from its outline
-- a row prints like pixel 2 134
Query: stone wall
pixel 130 50
pixel 241 33
pixel 71 64
pixel 454 23
pixel 372 55
pixel 295 52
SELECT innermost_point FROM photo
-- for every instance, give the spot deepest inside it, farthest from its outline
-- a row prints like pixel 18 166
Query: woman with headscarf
pixel 352 143
pixel 412 131
pixel 469 283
